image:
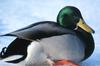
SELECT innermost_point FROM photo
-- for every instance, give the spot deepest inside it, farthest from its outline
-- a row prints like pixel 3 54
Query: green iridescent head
pixel 70 17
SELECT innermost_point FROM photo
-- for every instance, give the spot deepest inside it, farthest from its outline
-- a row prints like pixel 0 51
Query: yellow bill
pixel 85 27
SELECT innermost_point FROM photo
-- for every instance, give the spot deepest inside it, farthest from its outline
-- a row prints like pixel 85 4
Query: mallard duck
pixel 67 41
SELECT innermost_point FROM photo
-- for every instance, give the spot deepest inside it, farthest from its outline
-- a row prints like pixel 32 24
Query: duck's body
pixel 50 42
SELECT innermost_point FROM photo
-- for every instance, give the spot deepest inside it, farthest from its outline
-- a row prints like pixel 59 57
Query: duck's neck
pixel 88 41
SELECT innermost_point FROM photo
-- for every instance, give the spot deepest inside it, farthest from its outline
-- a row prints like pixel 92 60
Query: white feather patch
pixel 14 57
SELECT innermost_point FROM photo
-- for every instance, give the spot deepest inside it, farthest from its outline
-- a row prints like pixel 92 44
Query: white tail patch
pixel 14 57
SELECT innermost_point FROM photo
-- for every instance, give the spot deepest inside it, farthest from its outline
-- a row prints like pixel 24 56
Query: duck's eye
pixel 76 18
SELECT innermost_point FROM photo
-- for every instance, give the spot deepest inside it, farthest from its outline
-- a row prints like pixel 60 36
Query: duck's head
pixel 71 18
